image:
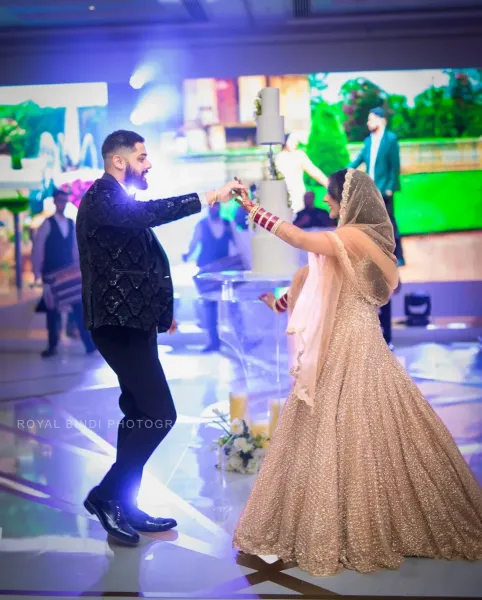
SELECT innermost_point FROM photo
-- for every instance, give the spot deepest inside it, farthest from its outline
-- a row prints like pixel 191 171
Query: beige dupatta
pixel 362 247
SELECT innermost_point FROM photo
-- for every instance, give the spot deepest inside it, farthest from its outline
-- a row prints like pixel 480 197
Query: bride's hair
pixel 336 182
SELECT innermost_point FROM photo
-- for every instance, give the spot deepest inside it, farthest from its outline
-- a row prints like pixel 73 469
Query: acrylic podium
pixel 255 338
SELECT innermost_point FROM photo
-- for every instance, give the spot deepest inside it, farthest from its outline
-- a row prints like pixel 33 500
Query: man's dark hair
pixel 379 111
pixel 120 139
pixel 58 193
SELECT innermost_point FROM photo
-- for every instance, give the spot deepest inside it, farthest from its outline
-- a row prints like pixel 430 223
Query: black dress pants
pixel 389 203
pixel 385 312
pixel 145 401
pixel 385 315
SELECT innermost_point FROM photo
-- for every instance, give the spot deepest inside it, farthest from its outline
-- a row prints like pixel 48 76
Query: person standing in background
pixel 55 247
pixel 381 156
pixel 215 237
pixel 293 163
pixel 312 217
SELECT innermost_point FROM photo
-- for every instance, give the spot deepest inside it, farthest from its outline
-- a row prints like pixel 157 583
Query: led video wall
pixel 435 114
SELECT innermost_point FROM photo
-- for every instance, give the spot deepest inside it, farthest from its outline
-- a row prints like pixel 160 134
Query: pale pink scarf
pixel 312 322
pixel 364 233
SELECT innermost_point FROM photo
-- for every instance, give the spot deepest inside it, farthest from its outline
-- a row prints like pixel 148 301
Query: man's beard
pixel 135 180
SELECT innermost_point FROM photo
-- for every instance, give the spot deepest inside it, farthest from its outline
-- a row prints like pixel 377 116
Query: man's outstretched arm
pixel 113 208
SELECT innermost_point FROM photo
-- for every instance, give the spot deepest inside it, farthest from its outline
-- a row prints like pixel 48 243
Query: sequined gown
pixel 371 476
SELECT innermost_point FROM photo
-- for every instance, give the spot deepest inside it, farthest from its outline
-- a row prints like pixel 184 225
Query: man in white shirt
pixel 376 138
pixel 54 248
pixel 293 163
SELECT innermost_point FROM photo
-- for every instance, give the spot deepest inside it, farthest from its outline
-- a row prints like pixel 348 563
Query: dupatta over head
pixel 362 246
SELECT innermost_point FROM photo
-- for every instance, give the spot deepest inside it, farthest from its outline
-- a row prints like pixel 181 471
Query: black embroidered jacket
pixel 126 279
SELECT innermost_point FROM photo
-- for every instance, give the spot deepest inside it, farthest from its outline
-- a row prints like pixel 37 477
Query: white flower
pixel 258 453
pixel 237 427
pixel 252 466
pixel 234 462
pixel 242 445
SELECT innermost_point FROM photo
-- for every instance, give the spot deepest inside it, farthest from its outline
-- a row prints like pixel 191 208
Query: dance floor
pixel 57 436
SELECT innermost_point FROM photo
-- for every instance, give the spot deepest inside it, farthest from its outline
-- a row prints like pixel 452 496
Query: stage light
pixel 136 82
pixel 136 117
pixel 157 105
pixel 91 7
pixel 418 307
pixel 144 74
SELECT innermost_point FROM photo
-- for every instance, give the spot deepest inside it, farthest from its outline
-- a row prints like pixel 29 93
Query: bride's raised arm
pixel 316 242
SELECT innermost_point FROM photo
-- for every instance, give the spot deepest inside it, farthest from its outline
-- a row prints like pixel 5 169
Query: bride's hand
pixel 243 199
pixel 230 190
pixel 268 299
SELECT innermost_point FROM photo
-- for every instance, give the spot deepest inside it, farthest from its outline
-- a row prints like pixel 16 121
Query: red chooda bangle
pixel 281 305
pixel 265 219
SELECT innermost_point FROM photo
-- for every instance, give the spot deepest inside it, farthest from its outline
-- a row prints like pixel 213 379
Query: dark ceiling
pixel 22 14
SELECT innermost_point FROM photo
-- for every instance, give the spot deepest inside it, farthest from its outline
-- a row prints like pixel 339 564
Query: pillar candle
pixel 237 406
pixel 274 412
pixel 260 428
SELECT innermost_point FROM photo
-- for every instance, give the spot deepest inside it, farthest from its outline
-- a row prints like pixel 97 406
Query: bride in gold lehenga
pixel 361 471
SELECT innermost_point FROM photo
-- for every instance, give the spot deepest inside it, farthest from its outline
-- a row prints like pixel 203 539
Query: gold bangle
pixel 276 226
pixel 211 204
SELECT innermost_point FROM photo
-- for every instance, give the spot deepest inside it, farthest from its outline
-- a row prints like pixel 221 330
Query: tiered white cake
pixel 270 255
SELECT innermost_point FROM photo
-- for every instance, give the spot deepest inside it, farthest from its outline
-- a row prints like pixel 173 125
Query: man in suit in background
pixel 127 296
pixel 381 156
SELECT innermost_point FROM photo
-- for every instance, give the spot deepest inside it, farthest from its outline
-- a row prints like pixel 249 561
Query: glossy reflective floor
pixel 57 435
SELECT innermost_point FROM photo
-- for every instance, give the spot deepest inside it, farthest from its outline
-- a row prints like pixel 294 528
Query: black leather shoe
pixel 112 518
pixel 49 352
pixel 143 522
pixel 211 348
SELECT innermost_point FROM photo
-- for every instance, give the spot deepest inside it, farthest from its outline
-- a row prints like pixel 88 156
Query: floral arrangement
pixel 76 190
pixel 244 452
pixel 275 173
pixel 258 107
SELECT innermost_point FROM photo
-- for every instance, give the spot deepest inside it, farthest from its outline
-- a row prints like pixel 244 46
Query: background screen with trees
pixel 436 115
